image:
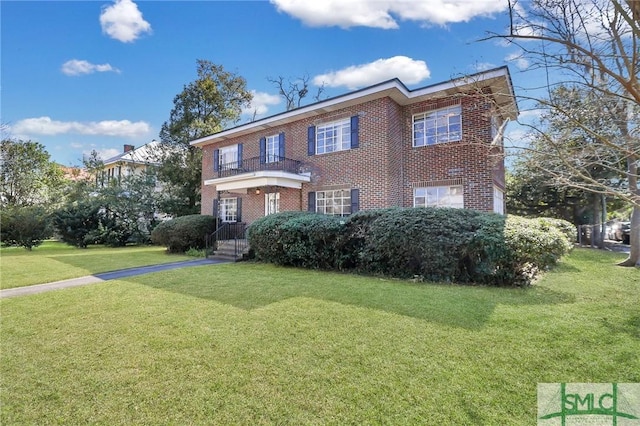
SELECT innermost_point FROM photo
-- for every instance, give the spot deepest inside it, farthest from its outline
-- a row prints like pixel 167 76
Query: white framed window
pixel 439 196
pixel 271 203
pixel 229 209
pixel 229 157
pixel 439 126
pixel 336 203
pixel 332 137
pixel 498 200
pixel 272 146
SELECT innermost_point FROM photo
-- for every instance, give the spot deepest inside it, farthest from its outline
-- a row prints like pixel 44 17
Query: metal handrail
pixel 258 164
pixel 228 231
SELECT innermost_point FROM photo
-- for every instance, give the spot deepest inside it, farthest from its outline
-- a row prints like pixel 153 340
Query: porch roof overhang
pixel 240 183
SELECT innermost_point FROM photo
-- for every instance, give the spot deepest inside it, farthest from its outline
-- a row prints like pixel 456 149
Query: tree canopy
pixel 207 105
pixel 589 135
pixel 27 175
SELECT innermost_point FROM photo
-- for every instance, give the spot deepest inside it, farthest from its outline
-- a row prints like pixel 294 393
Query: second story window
pixel 335 136
pixel 442 125
pixel 272 149
pixel 229 157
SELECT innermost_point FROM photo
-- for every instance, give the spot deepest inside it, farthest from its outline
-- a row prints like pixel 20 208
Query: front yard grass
pixel 55 261
pixel 260 344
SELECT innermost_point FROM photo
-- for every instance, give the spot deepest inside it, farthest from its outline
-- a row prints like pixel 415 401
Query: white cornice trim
pixel 394 89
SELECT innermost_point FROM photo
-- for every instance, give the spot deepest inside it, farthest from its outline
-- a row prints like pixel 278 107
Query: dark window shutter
pixel 281 146
pixel 216 208
pixel 216 160
pixel 355 200
pixel 312 201
pixel 355 124
pixel 311 140
pixel 238 209
pixel 263 150
pixel 239 156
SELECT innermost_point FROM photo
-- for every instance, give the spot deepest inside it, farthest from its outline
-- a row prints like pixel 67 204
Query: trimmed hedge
pixel 183 233
pixel 296 239
pixel 450 245
pixel 535 245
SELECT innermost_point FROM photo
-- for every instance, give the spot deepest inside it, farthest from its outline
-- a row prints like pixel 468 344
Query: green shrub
pixel 296 238
pixel 451 245
pixel 24 226
pixel 309 240
pixel 434 244
pixel 567 228
pixel 183 233
pixel 78 223
pixel 534 246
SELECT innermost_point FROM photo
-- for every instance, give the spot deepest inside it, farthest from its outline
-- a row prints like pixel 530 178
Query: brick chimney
pixel 128 148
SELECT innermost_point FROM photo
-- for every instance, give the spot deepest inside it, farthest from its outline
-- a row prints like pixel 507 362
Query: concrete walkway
pixel 105 276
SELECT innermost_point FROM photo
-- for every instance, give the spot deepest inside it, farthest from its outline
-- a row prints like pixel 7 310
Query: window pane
pixel 333 137
pixel 334 202
pixel 439 196
pixel 443 125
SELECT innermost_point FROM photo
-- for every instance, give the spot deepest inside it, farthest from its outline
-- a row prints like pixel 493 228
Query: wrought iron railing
pixel 228 231
pixel 258 164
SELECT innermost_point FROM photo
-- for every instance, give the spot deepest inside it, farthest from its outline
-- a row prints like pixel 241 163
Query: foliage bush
pixel 77 223
pixel 567 228
pixel 24 226
pixel 451 245
pixel 296 239
pixel 183 233
pixel 534 246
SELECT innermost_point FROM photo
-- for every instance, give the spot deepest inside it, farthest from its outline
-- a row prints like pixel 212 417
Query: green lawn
pixel 259 344
pixel 54 261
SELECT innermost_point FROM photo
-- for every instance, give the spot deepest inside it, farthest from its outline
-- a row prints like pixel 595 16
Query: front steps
pixel 226 250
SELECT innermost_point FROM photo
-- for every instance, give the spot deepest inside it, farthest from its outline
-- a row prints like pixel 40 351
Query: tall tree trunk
pixel 634 237
pixel 603 220
pixel 596 235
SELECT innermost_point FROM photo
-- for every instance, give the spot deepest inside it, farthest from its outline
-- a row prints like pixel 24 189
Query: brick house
pixel 380 146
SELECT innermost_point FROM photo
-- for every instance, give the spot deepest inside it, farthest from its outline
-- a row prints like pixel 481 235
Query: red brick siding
pixel 385 166
pixel 468 160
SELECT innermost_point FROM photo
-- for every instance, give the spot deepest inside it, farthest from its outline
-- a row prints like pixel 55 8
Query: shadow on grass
pixel 251 286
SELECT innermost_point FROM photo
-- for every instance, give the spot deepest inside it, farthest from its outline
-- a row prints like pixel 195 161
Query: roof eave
pixel 498 79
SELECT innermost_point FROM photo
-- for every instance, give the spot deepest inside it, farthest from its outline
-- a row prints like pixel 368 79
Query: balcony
pixel 256 172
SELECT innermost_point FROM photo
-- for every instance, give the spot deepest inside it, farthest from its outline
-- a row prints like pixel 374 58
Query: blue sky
pixel 95 75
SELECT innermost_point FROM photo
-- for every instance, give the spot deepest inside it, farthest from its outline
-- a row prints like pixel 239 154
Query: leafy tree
pixel 205 106
pixel 563 147
pixel 127 210
pixel 25 226
pixel 27 176
pixel 592 45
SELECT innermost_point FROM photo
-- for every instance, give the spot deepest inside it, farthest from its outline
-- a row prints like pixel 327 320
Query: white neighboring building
pixel 133 161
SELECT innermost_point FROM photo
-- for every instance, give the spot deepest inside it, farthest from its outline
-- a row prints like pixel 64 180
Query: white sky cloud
pixel 261 102
pixel 482 66
pixel 386 13
pixel 409 71
pixel 103 153
pixel 123 21
pixel 520 61
pixel 78 67
pixel 47 126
